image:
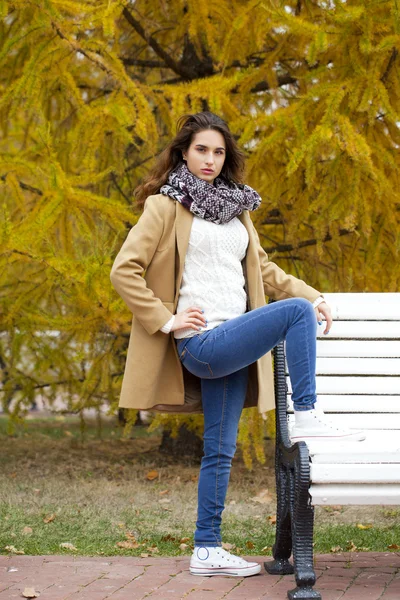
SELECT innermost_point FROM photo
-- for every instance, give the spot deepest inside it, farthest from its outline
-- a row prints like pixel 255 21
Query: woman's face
pixel 205 156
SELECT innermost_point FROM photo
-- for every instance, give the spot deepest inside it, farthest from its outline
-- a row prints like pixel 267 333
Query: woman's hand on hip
pixel 324 309
pixel 192 318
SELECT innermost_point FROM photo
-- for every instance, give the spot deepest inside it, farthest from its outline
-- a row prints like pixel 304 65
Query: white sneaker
pixel 315 425
pixel 210 560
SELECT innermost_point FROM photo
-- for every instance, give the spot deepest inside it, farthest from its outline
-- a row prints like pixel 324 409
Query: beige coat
pixel 147 274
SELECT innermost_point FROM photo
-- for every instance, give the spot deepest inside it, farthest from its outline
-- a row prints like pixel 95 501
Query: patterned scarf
pixel 218 202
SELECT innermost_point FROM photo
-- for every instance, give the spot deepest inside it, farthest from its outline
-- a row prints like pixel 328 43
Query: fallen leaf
pixel 266 549
pixel 228 546
pixel 184 540
pixel 49 518
pixel 128 545
pixel 351 546
pixel 163 492
pixel 168 538
pixel 152 475
pixel 393 547
pixel 183 547
pixel 194 478
pixel 263 497
pixel 153 549
pixel 144 555
pixel 249 545
pixel 361 526
pixel 336 549
pixel 232 502
pixel 29 592
pixel 272 519
pixel 14 550
pixel 27 530
pixel 68 546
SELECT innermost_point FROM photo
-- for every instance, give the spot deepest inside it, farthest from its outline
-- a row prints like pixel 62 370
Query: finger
pixel 199 314
pixel 328 325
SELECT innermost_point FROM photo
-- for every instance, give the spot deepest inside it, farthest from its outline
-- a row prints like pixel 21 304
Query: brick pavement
pixel 345 576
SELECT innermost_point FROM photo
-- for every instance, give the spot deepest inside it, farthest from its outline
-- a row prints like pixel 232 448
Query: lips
pixel 207 170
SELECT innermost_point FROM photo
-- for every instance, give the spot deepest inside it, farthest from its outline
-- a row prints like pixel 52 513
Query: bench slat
pixel 356 403
pixel 352 348
pixel 364 306
pixel 358 366
pixel 355 473
pixel 355 385
pixel 370 455
pixel 355 348
pixel 360 330
pixel 362 421
pixel 384 494
pixel 383 441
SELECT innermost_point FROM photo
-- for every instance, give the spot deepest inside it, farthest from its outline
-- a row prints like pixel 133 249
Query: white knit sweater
pixel 213 277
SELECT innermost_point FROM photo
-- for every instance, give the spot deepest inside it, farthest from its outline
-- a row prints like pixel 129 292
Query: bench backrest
pixel 358 384
pixel 358 362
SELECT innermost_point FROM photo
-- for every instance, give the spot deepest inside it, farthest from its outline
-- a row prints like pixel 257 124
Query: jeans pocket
pixel 194 365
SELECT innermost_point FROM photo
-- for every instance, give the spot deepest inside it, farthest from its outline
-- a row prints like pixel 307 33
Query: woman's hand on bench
pixel 325 310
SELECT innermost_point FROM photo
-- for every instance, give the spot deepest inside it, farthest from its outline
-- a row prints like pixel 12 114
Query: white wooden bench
pixel 358 385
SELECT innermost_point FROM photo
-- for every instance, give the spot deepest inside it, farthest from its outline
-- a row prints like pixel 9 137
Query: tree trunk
pixel 186 444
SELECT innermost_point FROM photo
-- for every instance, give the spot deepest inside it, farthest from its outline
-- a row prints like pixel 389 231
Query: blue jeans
pixel 220 358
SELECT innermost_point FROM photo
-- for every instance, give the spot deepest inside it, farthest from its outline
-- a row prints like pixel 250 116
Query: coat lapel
pixel 183 225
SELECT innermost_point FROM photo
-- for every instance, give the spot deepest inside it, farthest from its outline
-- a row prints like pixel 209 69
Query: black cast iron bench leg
pixel 295 513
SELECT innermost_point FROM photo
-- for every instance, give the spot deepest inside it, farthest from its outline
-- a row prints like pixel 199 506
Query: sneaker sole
pixel 244 572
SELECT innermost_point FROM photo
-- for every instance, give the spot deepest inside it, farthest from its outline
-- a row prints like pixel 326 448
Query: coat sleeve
pixel 130 263
pixel 278 284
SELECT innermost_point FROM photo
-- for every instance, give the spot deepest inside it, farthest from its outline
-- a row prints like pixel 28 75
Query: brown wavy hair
pixel 171 156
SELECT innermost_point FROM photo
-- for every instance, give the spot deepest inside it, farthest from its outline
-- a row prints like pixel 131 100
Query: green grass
pixel 97 495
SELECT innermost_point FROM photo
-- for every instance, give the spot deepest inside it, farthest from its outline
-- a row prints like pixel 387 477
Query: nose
pixel 210 159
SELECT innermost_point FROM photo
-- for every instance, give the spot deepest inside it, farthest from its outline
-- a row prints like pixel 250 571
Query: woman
pixel 206 276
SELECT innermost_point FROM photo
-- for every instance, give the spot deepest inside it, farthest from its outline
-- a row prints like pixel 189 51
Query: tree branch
pixel 168 60
pixel 393 57
pixel 312 242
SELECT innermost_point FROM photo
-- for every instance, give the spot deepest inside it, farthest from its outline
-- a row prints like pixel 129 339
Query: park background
pixel 90 94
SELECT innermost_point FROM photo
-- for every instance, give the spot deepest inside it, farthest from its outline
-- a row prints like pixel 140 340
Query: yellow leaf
pixel 128 544
pixel 152 475
pixel 361 526
pixel 49 518
pixel 13 550
pixel 249 545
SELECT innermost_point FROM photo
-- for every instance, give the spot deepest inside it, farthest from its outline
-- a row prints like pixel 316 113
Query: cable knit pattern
pixel 213 276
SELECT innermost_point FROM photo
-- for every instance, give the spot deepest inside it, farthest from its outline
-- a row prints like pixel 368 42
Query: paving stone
pixel 352 576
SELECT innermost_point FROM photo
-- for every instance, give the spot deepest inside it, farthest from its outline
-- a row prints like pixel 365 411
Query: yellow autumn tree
pixel 90 93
